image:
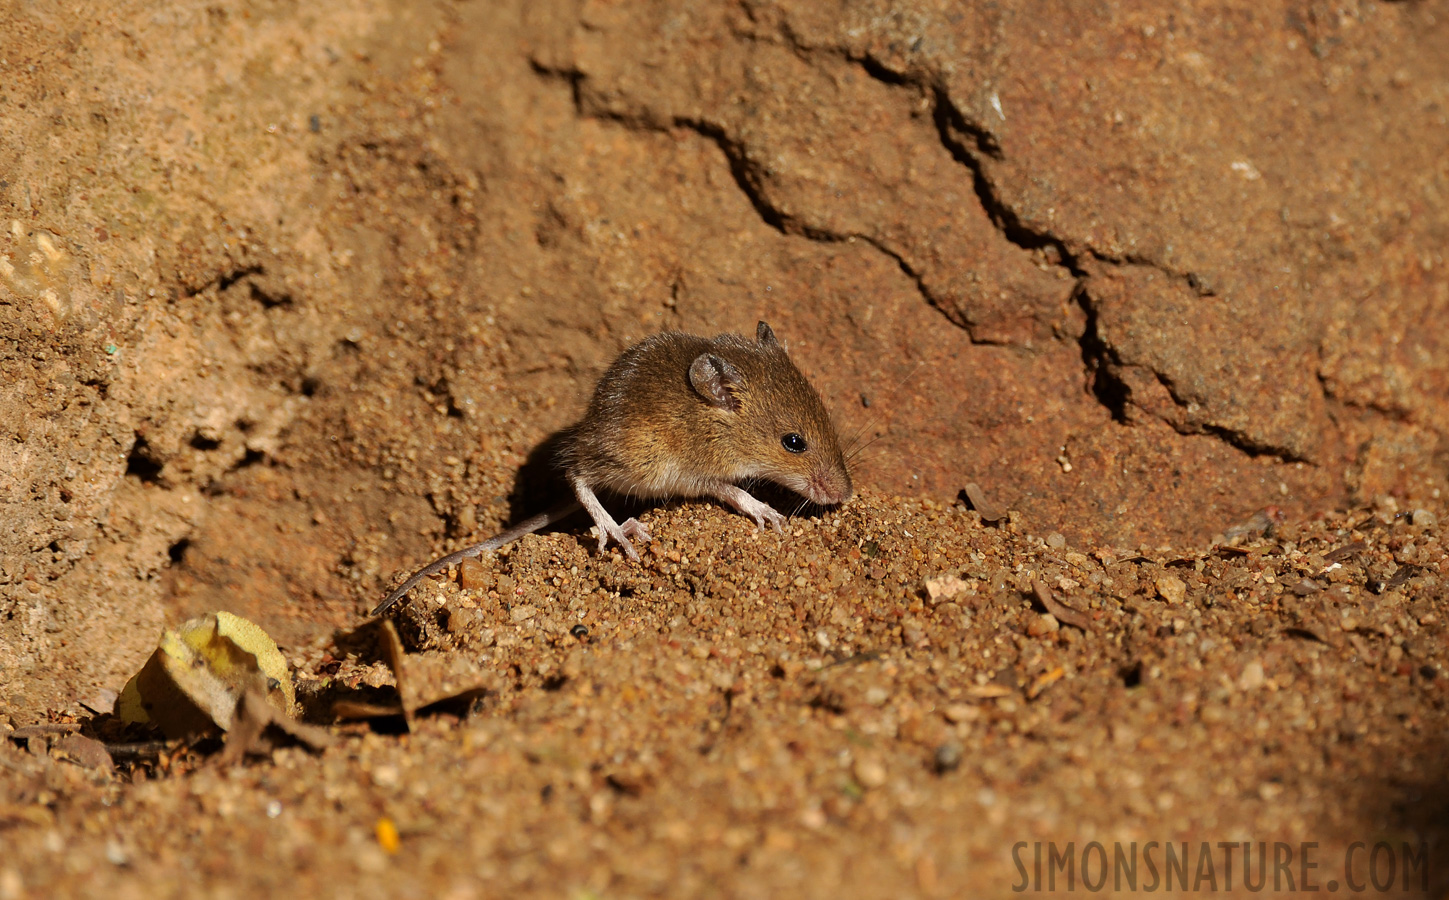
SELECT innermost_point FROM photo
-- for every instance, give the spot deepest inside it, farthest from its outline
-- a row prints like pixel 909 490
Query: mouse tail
pixel 527 526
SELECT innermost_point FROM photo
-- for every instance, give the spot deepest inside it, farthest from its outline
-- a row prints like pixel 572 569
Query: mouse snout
pixel 828 487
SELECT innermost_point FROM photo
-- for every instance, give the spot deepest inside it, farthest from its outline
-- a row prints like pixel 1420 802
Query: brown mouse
pixel 683 416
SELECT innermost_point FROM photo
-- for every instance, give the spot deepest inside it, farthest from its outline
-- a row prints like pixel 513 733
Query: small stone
pixel 1045 623
pixel 957 713
pixel 913 632
pixel 472 576
pixel 870 772
pixel 386 776
pixel 1056 541
pixel 1423 517
pixel 116 853
pixel 522 612
pixel 1253 676
pixel 948 756
pixel 461 619
pixel 1171 588
pixel 939 589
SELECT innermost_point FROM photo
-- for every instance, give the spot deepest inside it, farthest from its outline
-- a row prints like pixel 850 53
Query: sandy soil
pixel 289 296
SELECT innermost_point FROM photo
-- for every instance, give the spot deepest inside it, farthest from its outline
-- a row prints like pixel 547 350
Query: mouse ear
pixel 766 335
pixel 713 378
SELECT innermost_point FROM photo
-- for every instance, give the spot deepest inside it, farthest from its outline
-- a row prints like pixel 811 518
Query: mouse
pixel 682 416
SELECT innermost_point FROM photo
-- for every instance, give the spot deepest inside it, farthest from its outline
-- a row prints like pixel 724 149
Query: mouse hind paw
pixel 609 530
pixel 620 535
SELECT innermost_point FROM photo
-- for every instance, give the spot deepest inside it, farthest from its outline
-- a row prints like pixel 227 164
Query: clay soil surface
pixel 292 295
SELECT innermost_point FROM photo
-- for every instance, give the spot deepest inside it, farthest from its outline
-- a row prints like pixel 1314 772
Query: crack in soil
pixel 1099 358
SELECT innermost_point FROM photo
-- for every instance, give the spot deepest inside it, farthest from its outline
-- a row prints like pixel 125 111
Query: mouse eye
pixel 793 442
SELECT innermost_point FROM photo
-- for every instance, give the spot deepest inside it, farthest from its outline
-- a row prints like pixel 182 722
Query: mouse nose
pixel 828 487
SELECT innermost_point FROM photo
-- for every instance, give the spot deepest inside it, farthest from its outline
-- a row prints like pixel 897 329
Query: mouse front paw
pixel 766 515
pixel 763 513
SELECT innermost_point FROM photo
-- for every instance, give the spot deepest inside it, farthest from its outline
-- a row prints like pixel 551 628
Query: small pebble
pixel 462 619
pixel 116 854
pixel 1045 623
pixel 1171 588
pixel 1423 517
pixel 870 772
pixel 1253 676
pixel 948 756
pixel 957 713
pixel 938 589
pixel 472 576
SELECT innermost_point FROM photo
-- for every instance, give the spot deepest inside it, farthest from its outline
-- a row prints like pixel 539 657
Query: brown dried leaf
pixel 248 733
pixel 84 751
pixel 1064 614
pixel 1346 551
pixel 45 730
pixel 988 511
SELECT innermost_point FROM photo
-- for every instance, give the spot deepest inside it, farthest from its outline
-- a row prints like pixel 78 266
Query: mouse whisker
pixel 854 453
pixel 874 418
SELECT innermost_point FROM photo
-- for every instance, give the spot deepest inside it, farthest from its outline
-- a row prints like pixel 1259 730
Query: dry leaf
pixel 192 683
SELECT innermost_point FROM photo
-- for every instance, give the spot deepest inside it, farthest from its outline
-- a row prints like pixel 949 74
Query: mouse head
pixel 777 423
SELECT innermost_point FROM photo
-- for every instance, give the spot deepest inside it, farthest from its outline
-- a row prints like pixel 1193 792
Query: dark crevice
pixel 950 120
pixel 1100 361
pixel 202 443
pixel 951 125
pixel 224 281
pixel 743 174
pixel 269 301
pixel 574 77
pixel 1193 280
pixel 1250 445
pixel 177 551
pixel 230 278
pixel 141 465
